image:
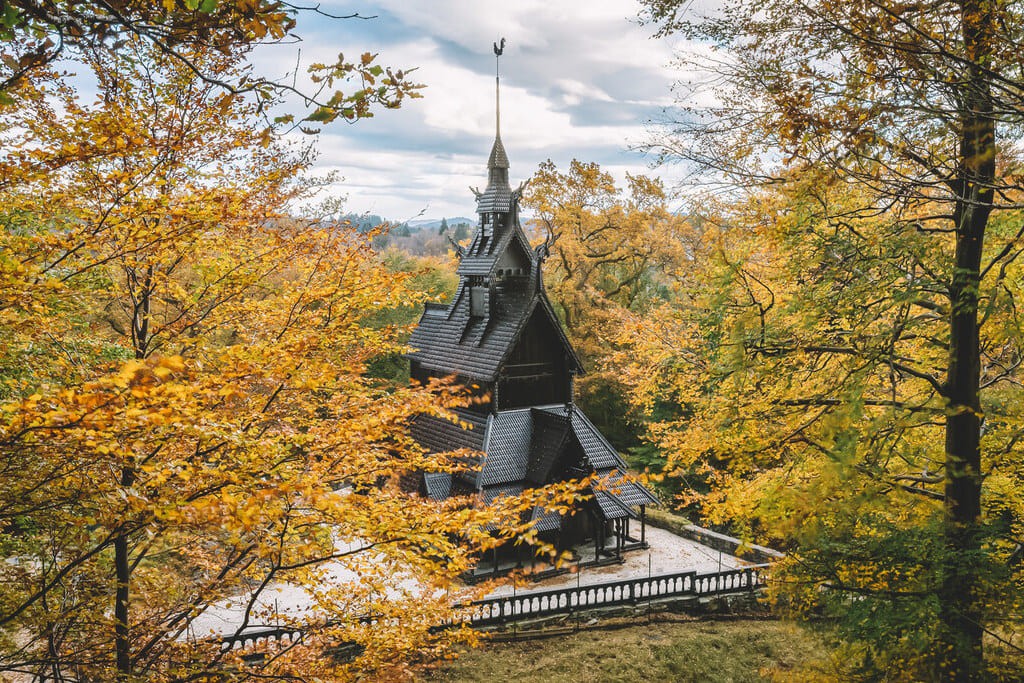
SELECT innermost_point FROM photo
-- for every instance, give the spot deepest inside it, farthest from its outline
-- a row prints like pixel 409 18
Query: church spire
pixel 497 198
pixel 498 50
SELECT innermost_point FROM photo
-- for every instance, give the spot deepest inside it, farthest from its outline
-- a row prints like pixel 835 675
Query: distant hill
pixel 435 223
pixel 367 221
pixel 423 236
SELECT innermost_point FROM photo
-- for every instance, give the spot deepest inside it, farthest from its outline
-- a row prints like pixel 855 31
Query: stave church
pixel 500 333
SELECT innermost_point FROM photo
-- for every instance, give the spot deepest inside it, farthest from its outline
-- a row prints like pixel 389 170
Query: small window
pixel 479 301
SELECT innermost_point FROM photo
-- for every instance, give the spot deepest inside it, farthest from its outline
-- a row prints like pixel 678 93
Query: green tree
pixel 916 107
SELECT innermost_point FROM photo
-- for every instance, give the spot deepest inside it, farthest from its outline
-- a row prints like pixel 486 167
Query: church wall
pixel 536 372
pixel 512 263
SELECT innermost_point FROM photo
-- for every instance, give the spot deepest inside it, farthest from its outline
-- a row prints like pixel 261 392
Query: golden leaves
pixel 194 381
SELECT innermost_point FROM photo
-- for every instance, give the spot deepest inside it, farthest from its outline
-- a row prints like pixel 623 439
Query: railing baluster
pixel 562 600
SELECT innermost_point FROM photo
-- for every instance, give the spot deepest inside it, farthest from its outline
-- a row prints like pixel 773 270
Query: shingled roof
pixel 600 454
pixel 550 430
pixel 497 198
pixel 521 447
pixel 451 341
pixel 481 259
pixel 508 447
pixel 439 435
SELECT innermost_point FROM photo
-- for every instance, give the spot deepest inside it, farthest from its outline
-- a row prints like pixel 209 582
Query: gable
pixel 513 262
pixel 547 445
pixel 507 248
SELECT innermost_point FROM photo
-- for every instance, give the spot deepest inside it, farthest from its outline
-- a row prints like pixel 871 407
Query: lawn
pixel 698 651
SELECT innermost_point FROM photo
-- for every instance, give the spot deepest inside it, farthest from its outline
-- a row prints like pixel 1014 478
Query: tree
pixel 35 34
pixel 187 418
pixel 913 108
pixel 612 251
pixel 462 232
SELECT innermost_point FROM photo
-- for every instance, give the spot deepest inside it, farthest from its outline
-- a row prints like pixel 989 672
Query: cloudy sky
pixel 580 78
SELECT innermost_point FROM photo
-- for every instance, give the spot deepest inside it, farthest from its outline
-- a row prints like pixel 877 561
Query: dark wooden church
pixel 501 334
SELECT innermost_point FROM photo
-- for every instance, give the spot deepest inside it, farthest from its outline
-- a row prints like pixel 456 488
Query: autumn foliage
pixel 188 428
pixel 848 369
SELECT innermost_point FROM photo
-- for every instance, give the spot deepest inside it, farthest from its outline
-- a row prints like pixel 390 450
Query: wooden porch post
pixel 643 524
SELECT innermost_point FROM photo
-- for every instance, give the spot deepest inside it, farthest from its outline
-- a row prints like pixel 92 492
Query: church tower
pixel 500 335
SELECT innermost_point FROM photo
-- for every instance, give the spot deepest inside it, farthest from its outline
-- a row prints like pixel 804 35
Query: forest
pixel 203 387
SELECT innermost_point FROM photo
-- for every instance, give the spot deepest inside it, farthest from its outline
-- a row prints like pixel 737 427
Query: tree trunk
pixel 143 301
pixel 122 574
pixel 960 605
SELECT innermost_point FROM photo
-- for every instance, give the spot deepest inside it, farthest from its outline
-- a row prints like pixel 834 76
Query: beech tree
pixel 903 115
pixel 611 249
pixel 187 421
pixel 607 245
pixel 35 34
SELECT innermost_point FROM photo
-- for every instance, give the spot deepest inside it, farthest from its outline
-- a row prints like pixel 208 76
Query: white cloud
pixel 578 79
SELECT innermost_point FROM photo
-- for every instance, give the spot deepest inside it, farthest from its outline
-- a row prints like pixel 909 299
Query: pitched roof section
pixel 625 491
pixel 438 484
pixel 492 493
pixel 599 453
pixel 438 435
pixel 451 341
pixel 543 520
pixel 610 506
pixel 508 449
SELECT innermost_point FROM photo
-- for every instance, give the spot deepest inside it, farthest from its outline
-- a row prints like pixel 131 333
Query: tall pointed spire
pixel 497 198
pixel 498 50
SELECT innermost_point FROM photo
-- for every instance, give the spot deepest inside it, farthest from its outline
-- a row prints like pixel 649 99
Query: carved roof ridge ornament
pixel 541 252
pixel 460 250
pixel 518 192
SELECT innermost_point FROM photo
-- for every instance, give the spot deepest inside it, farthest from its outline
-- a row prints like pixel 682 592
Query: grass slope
pixel 698 651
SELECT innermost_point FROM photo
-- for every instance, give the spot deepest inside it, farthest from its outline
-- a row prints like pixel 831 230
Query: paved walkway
pixel 668 554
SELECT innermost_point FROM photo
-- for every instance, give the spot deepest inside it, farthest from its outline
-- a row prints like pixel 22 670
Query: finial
pixel 541 252
pixel 499 49
pixel 460 250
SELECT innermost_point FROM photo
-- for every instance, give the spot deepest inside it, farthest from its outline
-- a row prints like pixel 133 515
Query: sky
pixel 579 79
